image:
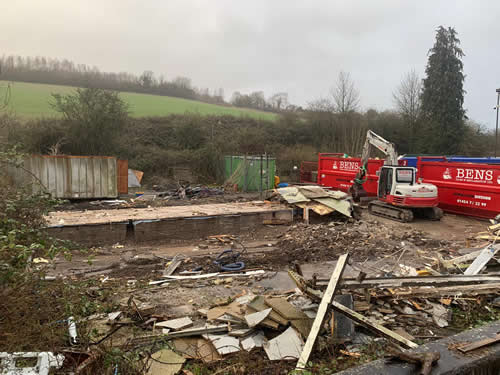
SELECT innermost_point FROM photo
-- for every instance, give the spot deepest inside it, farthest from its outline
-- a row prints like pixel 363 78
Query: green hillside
pixel 31 100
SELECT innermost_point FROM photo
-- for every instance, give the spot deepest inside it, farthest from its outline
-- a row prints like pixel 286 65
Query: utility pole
pixel 496 128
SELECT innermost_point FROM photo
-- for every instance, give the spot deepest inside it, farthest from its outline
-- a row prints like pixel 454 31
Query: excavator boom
pixel 386 147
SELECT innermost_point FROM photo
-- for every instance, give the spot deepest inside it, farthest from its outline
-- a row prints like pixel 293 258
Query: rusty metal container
pixel 69 177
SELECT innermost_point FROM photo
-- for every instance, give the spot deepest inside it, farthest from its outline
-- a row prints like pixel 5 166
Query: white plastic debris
pixel 45 360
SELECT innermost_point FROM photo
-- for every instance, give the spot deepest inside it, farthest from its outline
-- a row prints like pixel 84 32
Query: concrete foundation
pixel 169 224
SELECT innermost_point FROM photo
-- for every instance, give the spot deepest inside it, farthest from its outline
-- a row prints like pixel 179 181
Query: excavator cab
pixel 400 196
pixel 385 182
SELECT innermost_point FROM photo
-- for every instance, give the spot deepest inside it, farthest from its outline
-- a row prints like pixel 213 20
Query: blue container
pixel 411 161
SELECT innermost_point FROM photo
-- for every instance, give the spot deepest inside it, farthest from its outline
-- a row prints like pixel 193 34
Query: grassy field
pixel 30 100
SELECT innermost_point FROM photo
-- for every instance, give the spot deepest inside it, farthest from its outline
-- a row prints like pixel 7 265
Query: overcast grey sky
pixel 293 46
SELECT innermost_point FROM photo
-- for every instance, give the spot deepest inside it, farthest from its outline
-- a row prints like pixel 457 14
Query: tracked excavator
pixel 400 196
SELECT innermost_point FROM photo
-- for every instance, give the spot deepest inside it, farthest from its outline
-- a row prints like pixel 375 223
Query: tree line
pixel 428 118
pixel 65 72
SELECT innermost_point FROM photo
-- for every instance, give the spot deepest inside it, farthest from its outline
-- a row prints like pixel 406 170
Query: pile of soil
pixel 364 240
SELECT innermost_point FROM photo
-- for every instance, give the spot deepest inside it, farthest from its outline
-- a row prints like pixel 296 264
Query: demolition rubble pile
pixel 399 309
pixel 368 239
pixel 339 312
pixel 403 289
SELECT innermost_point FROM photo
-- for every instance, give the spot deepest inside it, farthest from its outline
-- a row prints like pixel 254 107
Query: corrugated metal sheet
pixel 70 177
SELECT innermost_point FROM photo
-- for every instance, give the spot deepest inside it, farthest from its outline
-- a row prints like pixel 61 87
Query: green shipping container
pixel 245 171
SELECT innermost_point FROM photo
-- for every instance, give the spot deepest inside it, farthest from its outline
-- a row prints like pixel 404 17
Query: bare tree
pixel 279 101
pixel 345 95
pixel 407 100
pixel 340 127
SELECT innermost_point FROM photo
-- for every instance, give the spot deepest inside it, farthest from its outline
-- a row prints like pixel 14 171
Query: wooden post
pixel 305 211
pixel 261 168
pixel 245 171
pixel 323 306
pixel 268 185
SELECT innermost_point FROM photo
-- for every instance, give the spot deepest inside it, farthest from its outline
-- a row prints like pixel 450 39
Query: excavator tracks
pixel 382 209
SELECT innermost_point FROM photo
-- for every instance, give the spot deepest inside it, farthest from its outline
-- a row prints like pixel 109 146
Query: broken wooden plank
pixel 409 281
pixel 174 264
pixel 198 331
pixel 466 290
pixel 372 326
pixel 479 344
pixel 325 301
pixel 482 259
pixel 206 276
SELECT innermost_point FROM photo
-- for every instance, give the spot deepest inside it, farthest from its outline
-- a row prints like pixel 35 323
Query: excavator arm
pixel 386 147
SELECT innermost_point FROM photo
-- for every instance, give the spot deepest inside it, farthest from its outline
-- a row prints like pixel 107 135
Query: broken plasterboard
pixel 197 347
pixel 234 309
pixel 253 341
pixel 259 304
pixel 176 324
pixel 224 344
pixel 286 346
pixel 165 362
pixel 285 308
pixel 256 318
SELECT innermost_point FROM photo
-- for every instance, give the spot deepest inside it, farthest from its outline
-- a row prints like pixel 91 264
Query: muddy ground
pixel 376 246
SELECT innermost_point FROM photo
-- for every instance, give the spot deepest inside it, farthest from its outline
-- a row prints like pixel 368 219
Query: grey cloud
pixel 279 45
